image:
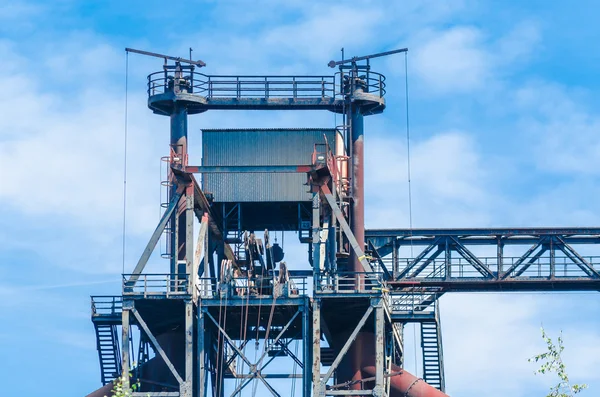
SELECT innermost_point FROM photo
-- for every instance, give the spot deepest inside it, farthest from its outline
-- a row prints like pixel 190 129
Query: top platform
pixel 199 92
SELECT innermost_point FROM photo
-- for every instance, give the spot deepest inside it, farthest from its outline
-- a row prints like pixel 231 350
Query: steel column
pixel 306 350
pixel 316 348
pixel 201 355
pixel 125 348
pixel 379 389
pixel 357 220
pixel 186 388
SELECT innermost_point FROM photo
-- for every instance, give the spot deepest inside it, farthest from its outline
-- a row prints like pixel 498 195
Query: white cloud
pixel 452 60
pixel 447 172
pixel 561 128
pixel 464 58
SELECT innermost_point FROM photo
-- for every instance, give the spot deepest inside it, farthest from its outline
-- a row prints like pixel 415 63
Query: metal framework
pixel 195 325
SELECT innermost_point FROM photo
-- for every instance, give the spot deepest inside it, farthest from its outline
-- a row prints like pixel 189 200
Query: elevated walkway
pixel 199 93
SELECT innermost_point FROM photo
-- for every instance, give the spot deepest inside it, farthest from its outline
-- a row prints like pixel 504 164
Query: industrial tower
pixel 226 316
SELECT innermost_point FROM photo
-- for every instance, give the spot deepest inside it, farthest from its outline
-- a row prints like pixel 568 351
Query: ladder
pixel 107 343
pixel 433 359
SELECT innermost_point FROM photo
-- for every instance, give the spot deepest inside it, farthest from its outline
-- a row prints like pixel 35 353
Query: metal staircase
pixel 107 343
pixel 106 316
pixel 433 359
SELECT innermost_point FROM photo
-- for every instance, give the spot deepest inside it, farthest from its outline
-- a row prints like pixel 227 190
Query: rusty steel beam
pixel 157 346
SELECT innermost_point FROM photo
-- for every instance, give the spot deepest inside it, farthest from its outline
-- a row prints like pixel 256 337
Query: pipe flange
pixel 411 386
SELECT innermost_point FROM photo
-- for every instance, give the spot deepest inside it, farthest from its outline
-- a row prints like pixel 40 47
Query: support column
pixel 357 219
pixel 395 259
pixel 125 348
pixel 189 238
pixel 316 348
pixel 378 390
pixel 448 257
pixel 306 350
pixel 186 387
pixel 201 387
pixel 178 156
pixel 316 238
pixel 500 259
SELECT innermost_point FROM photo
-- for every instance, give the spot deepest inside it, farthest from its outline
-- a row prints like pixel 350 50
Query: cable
pixel 125 157
pixel 410 219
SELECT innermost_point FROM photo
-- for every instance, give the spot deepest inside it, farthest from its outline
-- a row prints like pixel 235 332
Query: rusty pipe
pixel 359 365
pixel 405 384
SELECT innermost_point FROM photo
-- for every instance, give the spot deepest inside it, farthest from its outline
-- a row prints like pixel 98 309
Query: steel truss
pixel 540 259
pixel 220 348
pixel 365 286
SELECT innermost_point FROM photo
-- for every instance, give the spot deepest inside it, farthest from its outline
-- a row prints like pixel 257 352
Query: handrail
pixel 103 305
pixel 248 86
pixel 209 287
pixel 156 284
pixel 350 282
pixel 564 267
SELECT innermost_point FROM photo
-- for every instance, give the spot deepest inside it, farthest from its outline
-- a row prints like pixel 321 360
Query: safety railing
pixel 563 267
pixel 105 305
pixel 210 288
pixel 350 282
pixel 413 302
pixel 239 87
pixel 156 284
pixel 369 82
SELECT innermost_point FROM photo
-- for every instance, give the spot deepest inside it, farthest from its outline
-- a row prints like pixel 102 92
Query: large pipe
pixel 362 366
pixel 357 219
pixel 405 384
pixel 359 362
pixel 179 130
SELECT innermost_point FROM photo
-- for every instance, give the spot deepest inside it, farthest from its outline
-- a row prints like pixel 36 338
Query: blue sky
pixel 504 123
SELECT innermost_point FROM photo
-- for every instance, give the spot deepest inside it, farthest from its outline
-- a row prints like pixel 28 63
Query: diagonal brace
pixel 159 349
pixel 424 265
pixel 347 345
pixel 346 228
pixel 472 259
pixel 522 259
pixel 240 354
pixel 285 328
pixel 577 259
pixel 386 272
pixel 419 257
pixel 155 236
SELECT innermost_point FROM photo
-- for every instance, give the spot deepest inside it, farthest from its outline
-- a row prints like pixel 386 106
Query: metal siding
pixel 260 147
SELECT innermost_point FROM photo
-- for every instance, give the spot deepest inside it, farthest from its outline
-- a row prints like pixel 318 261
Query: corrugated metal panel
pixel 259 147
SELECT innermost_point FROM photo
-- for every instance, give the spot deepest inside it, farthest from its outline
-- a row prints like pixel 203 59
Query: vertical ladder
pixel 107 343
pixel 433 359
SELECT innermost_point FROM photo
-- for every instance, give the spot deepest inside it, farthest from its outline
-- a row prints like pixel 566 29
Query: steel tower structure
pixel 227 290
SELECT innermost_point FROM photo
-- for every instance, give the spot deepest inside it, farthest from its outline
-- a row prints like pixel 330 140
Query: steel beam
pixel 347 345
pixel 157 347
pixel 236 169
pixel 125 325
pixel 490 232
pixel 186 389
pixel 316 347
pixel 379 344
pixel 201 354
pixel 306 349
pixel 241 355
pixel 199 251
pixel 139 267
pixel 358 250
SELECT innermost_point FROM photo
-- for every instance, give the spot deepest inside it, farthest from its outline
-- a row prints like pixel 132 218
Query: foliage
pixel 552 362
pixel 120 391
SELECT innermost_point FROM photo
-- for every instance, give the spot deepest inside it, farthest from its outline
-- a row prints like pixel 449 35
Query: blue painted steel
pixel 547 259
